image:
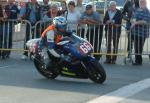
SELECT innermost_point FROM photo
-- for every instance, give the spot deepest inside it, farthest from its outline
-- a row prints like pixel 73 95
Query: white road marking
pixel 123 93
pixel 6 66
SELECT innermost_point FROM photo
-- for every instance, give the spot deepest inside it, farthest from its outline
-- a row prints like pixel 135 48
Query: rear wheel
pixel 97 72
pixel 47 70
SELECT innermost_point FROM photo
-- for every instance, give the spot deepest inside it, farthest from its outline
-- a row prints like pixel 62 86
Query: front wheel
pixel 46 70
pixel 97 72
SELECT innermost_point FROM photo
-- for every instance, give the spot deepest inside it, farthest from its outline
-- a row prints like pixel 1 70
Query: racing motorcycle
pixel 77 61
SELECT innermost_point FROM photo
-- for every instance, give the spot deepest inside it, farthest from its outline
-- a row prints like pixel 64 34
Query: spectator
pixel 79 6
pixel 64 7
pixel 92 19
pixel 91 3
pixel 30 12
pixel 1 28
pixel 12 12
pixel 44 8
pixel 53 12
pixel 112 21
pixel 140 30
pixel 1 12
pixel 1 17
pixel 72 17
pixel 127 12
pixel 136 3
pixel 81 9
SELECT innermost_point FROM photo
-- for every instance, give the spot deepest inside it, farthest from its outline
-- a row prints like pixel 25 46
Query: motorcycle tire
pixel 97 72
pixel 43 69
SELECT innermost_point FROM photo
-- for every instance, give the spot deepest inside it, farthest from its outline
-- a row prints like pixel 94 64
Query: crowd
pixel 78 17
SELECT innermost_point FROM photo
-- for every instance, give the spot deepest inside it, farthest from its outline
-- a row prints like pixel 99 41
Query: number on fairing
pixel 85 47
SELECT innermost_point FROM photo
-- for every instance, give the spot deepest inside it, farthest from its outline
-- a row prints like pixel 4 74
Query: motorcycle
pixel 77 61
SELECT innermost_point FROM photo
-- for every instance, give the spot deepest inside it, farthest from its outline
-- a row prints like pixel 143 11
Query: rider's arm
pixel 51 44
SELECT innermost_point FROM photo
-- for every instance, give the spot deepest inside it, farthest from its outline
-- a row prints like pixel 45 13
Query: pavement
pixel 21 83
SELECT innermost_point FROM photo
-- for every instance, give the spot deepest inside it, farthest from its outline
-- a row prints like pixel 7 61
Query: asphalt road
pixel 21 83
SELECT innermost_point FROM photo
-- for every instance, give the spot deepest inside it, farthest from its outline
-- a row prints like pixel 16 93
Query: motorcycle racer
pixel 53 35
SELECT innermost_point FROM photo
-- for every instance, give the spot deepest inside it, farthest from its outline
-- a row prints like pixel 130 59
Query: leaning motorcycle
pixel 77 61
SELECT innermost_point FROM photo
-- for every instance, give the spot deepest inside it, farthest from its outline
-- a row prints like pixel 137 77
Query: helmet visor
pixel 61 27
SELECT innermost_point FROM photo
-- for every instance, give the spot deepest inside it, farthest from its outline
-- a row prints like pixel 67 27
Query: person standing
pixel 44 8
pixel 81 9
pixel 72 17
pixel 112 21
pixel 1 29
pixel 79 6
pixel 94 32
pixel 127 12
pixel 64 7
pixel 53 12
pixel 12 12
pixel 140 30
pixel 30 12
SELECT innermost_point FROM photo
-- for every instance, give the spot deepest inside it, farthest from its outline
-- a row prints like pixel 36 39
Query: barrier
pixel 139 41
pixel 99 37
pixel 108 40
pixel 13 35
pixel 112 40
pixel 40 26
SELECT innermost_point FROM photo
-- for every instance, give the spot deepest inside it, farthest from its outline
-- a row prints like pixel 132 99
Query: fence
pixel 139 41
pixel 108 40
pixel 12 36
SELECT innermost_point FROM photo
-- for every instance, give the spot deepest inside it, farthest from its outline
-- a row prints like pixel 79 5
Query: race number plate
pixel 85 48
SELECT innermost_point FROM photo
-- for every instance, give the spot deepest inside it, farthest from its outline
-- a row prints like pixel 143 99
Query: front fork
pixel 86 64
